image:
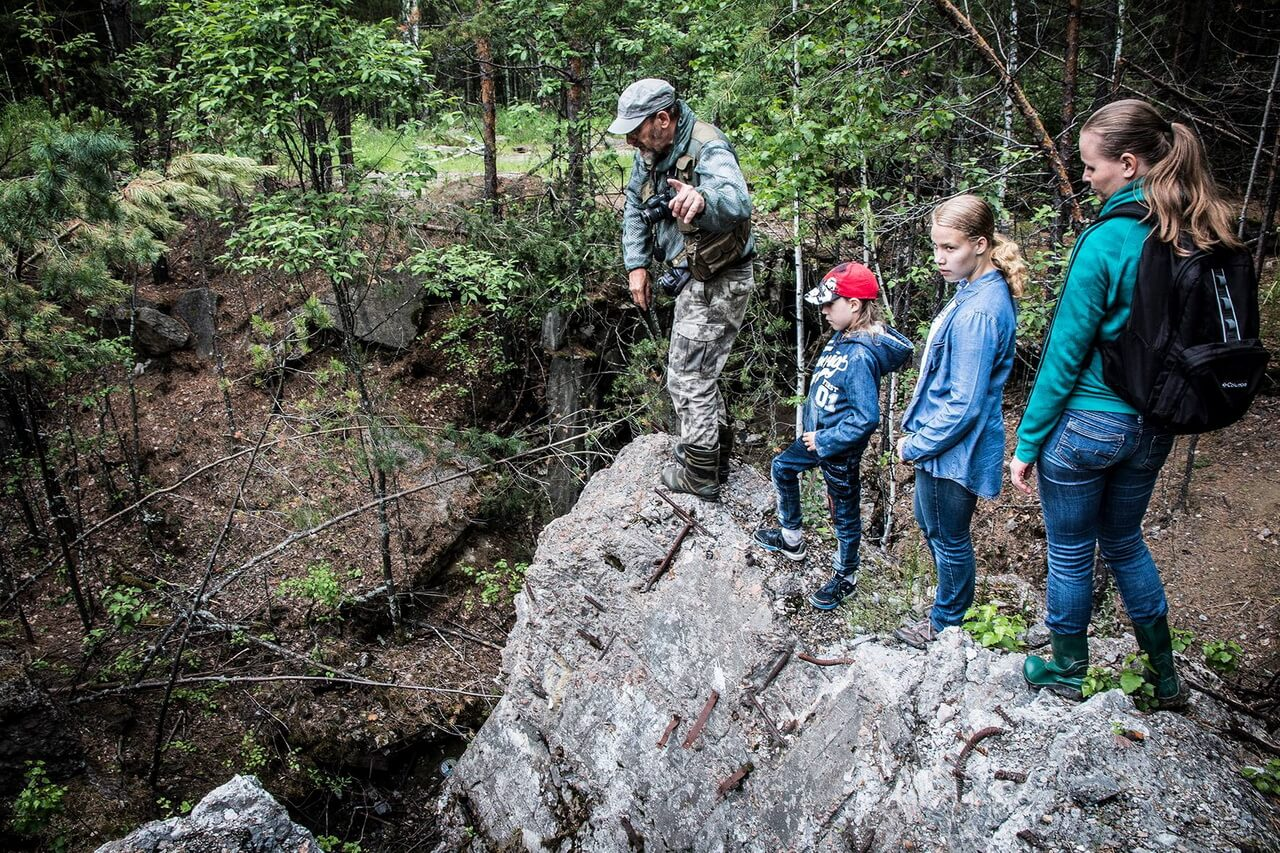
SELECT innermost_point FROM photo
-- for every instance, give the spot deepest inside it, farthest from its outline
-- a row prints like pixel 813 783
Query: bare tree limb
pixel 1024 106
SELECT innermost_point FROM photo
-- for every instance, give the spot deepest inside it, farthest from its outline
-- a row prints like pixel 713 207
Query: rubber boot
pixel 726 448
pixel 1155 640
pixel 699 475
pixel 1064 672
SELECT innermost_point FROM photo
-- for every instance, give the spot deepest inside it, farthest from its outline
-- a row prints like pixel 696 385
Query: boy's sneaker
pixel 773 540
pixel 834 591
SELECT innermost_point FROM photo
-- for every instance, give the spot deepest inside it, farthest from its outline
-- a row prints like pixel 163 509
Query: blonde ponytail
pixel 1007 257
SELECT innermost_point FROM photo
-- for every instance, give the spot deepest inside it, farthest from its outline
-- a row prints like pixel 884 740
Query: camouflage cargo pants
pixel 708 317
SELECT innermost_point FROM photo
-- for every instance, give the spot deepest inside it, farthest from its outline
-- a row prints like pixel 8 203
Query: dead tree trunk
pixel 577 136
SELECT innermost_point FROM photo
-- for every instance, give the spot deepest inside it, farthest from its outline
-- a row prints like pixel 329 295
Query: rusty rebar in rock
pixel 685 515
pixel 666 561
pixel 808 658
pixel 734 779
pixel 1010 775
pixel 701 722
pixel 666 733
pixel 778 664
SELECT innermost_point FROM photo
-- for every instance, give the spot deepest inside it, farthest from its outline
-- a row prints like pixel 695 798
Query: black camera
pixel 657 207
pixel 673 280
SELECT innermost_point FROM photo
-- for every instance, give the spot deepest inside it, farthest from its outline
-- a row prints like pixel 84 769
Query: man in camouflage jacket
pixel 709 203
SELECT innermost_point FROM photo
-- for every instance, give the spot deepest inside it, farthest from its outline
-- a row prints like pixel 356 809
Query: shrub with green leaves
pixel 1223 656
pixel 500 583
pixel 993 629
pixel 38 803
pixel 1265 778
pixel 319 588
pixel 1134 679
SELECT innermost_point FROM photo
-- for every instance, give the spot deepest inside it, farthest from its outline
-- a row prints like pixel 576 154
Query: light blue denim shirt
pixel 954 424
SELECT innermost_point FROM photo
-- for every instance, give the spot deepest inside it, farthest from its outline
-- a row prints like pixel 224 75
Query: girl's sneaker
pixel 834 591
pixel 773 540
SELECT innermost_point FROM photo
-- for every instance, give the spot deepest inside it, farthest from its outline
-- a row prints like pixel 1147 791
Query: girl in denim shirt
pixel 953 428
pixel 1098 459
pixel 840 415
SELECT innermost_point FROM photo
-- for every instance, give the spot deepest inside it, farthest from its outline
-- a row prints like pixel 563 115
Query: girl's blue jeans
pixel 944 509
pixel 1097 473
pixel 843 487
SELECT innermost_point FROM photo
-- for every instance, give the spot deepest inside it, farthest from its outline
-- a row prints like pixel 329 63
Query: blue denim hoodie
pixel 954 424
pixel 843 407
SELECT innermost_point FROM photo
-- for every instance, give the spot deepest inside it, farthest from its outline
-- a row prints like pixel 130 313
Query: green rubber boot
pixel 726 448
pixel 1064 672
pixel 1155 640
pixel 699 475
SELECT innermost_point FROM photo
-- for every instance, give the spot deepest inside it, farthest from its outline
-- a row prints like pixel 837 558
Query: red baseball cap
pixel 851 280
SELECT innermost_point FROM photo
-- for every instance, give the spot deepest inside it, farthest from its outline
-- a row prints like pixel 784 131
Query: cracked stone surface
pixel 867 754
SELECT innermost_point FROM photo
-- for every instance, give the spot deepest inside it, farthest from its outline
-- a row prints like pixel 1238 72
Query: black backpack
pixel 1189 356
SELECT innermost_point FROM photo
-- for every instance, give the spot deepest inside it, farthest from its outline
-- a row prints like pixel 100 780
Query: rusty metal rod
pixel 1010 775
pixel 701 722
pixel 592 639
pixel 666 561
pixel 776 735
pixel 823 661
pixel 733 780
pixel 778 664
pixel 666 733
pixel 685 515
pixel 594 602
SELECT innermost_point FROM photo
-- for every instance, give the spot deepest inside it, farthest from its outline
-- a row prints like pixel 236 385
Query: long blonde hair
pixel 1179 187
pixel 974 218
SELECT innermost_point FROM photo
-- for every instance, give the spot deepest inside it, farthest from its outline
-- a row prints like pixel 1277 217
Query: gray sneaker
pixel 918 634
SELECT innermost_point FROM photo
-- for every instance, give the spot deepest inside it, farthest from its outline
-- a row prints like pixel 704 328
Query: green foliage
pixel 168 809
pixel 499 583
pixel 320 588
pixel 274 77
pixel 126 607
pixel 333 844
pixel 38 803
pixel 1182 639
pixel 69 224
pixel 1223 656
pixel 253 755
pixel 1134 679
pixel 1265 778
pixel 468 273
pixel 993 629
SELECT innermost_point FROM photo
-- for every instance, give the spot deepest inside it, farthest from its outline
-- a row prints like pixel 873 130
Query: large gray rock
pixel 239 817
pixel 197 308
pixel 886 751
pixel 154 332
pixel 388 312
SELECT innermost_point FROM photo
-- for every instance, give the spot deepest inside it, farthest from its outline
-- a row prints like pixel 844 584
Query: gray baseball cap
pixel 640 100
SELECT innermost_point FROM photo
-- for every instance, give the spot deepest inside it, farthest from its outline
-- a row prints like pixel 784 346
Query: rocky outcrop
pixel 686 718
pixel 239 816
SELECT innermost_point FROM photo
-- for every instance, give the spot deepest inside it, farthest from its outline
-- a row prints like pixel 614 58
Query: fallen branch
pixel 262 679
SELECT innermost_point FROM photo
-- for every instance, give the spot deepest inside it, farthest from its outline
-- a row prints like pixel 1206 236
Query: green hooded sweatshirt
pixel 1093 306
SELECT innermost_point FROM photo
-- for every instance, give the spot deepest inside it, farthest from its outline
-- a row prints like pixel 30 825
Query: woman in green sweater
pixel 1098 460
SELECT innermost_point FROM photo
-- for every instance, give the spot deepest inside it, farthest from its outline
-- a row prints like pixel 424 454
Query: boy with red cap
pixel 840 416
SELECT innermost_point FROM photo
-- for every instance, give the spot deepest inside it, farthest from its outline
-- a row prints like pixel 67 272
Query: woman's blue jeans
pixel 944 509
pixel 844 487
pixel 1097 473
